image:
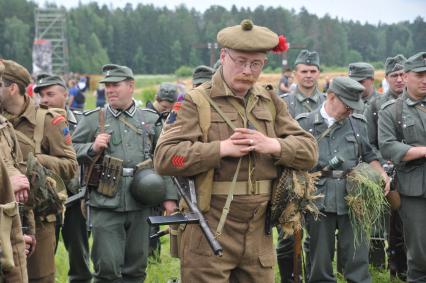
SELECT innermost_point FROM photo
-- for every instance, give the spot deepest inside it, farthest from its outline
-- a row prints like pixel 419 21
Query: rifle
pixel 193 217
pixel 297 258
pixel 83 193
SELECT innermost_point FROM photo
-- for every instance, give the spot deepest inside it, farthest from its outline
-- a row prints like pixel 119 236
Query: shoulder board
pixel 88 112
pixel 77 112
pixel 302 116
pixel 359 117
pixel 387 103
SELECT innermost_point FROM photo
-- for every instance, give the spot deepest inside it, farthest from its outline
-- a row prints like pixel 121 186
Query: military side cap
pixel 308 58
pixel 116 73
pixel 360 71
pixel 349 91
pixel 16 73
pixel 202 74
pixel 416 63
pixel 47 80
pixel 168 92
pixel 394 64
pixel 248 37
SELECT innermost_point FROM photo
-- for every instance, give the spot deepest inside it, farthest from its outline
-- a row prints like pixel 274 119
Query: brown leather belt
pixel 243 188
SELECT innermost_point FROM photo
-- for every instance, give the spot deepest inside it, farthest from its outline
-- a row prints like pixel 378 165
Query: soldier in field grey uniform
pixel 402 139
pixel 364 74
pixel 394 72
pixel 118 215
pixel 307 96
pixel 341 135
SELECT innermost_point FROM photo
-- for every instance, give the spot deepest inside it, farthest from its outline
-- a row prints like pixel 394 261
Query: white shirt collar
pixel 330 120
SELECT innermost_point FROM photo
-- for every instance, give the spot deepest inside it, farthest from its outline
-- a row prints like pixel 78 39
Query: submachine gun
pixel 186 189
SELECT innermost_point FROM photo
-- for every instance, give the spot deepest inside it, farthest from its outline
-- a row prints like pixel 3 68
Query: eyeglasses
pixel 255 66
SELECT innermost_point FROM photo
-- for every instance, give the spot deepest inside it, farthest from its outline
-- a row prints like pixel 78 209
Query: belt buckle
pixel 337 174
pixel 128 172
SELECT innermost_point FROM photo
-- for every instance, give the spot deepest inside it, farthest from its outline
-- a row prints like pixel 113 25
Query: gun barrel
pixel 214 244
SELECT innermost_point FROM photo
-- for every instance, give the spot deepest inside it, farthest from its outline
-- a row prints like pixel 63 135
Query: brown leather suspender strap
pixel 97 156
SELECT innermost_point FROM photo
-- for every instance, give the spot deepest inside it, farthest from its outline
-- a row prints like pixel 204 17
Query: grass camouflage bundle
pixel 366 200
pixel 292 197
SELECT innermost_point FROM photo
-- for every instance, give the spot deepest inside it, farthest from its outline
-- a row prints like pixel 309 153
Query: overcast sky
pixel 372 11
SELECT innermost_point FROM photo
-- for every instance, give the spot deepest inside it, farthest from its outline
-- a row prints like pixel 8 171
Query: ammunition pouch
pixel 95 175
pixel 110 176
pixel 7 213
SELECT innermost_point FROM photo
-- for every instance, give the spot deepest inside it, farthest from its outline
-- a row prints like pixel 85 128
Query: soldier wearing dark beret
pixel 44 133
pixel 402 139
pixel 254 130
pixel 338 132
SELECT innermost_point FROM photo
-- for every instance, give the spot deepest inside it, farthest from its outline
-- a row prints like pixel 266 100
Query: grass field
pixel 159 272
pixel 168 268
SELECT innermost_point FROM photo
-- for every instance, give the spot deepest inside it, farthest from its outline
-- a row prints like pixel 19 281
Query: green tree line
pixel 155 40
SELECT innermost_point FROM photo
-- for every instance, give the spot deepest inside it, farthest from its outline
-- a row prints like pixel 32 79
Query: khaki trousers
pixel 41 264
pixel 248 254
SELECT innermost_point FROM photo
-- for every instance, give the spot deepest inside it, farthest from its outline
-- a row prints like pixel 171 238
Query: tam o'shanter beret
pixel 116 73
pixel 16 73
pixel 47 80
pixel 416 63
pixel 308 58
pixel 393 64
pixel 349 91
pixel 360 71
pixel 251 38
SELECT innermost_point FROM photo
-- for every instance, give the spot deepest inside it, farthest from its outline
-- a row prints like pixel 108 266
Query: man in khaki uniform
pixel 53 93
pixel 260 137
pixel 12 183
pixel 56 154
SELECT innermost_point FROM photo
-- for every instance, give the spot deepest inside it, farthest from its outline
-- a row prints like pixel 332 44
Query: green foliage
pixel 183 71
pixel 148 94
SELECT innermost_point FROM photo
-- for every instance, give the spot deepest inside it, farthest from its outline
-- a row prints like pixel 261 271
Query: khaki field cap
pixel 416 63
pixel 47 80
pixel 116 73
pixel 361 71
pixel 16 73
pixel 201 74
pixel 349 91
pixel 308 58
pixel 248 37
pixel 168 92
pixel 394 64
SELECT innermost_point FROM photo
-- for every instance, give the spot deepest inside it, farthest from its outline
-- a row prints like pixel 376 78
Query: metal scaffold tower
pixel 50 48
